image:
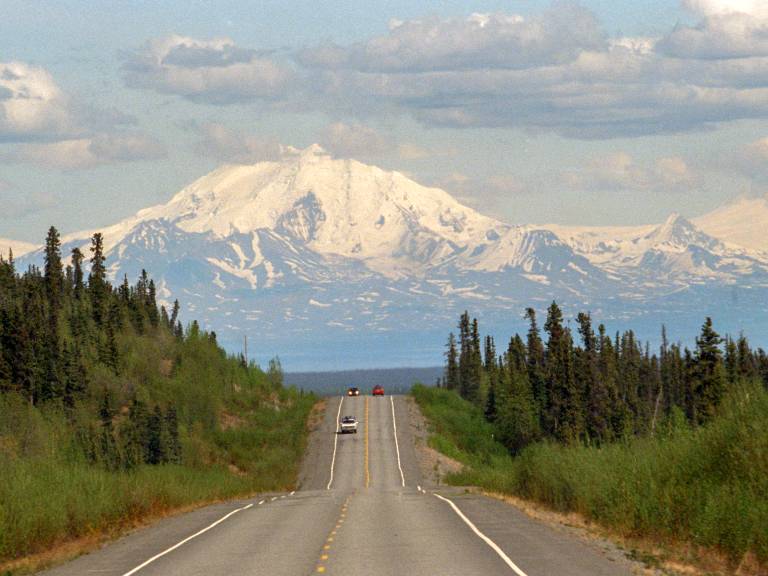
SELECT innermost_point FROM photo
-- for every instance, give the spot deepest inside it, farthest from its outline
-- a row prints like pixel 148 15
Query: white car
pixel 348 425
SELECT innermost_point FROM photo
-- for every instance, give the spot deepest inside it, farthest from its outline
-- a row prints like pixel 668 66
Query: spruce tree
pixel 78 276
pixel 97 280
pixel 452 364
pixel 597 398
pixel 536 362
pixel 156 449
pixel 710 372
pixel 54 272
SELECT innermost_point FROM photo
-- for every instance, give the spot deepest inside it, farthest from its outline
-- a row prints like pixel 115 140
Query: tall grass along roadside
pixel 706 486
pixel 112 411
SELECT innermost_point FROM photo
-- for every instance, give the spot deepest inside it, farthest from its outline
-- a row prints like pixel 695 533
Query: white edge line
pixel 292 493
pixel 195 535
pixel 484 538
pixel 262 502
pixel 273 498
pixel 397 446
pixel 335 442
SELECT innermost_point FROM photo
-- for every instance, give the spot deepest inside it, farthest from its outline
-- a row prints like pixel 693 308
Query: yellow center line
pixel 367 471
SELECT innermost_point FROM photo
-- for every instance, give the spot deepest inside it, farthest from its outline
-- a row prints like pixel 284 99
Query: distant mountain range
pixel 337 264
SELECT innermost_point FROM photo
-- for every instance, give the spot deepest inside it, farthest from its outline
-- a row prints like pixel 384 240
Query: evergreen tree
pixel 109 454
pixel 156 448
pixel 78 276
pixel 97 279
pixel 172 427
pixel 536 362
pixel 465 356
pixel 710 371
pixel 452 364
pixel 54 272
pixel 597 398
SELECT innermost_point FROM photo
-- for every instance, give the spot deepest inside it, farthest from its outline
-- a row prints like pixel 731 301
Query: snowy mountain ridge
pixel 321 251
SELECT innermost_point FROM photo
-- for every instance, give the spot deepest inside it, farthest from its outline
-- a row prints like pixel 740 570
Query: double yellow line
pixel 367 470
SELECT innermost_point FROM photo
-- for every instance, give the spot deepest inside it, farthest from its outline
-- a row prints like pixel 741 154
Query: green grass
pixel 240 433
pixel 707 487
pixel 52 495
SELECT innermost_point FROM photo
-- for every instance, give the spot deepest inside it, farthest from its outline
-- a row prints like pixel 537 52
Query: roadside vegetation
pixel 112 412
pixel 669 447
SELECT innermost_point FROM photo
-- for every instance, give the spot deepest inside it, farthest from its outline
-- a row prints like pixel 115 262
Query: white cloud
pixel 727 35
pixel 32 106
pixel 481 40
pixel 222 143
pixel 752 160
pixel 556 72
pixel 721 7
pixel 354 140
pixel 619 171
pixel 210 71
pixel 83 153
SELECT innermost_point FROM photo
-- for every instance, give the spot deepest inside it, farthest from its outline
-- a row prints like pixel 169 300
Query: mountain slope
pixel 337 264
pixel 675 251
pixel 19 248
pixel 743 222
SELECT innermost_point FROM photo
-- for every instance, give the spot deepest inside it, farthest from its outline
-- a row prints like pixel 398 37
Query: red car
pixel 378 390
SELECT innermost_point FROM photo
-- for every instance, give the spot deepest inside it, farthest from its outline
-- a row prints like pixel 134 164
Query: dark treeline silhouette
pixel 59 333
pixel 591 387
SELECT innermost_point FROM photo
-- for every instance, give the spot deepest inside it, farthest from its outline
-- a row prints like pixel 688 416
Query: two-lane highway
pixel 362 509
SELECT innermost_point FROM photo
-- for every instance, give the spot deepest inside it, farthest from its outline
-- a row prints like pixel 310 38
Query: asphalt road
pixel 362 509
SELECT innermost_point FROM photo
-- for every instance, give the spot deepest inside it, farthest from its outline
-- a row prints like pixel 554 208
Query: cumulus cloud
pixel 752 160
pixel 720 7
pixel 556 72
pixel 480 41
pixel 227 145
pixel 88 152
pixel 354 140
pixel 41 124
pixel 32 106
pixel 619 171
pixel 209 71
pixel 720 36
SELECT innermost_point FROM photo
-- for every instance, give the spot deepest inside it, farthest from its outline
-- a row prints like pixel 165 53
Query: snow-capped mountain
pixel 336 263
pixel 743 223
pixel 675 251
pixel 18 248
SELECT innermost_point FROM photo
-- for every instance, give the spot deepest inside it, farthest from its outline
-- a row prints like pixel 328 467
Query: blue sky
pixel 599 112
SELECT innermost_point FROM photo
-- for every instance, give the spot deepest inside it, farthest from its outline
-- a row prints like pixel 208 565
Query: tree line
pixel 591 387
pixel 59 348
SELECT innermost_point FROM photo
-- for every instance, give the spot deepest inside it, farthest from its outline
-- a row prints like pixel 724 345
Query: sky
pixel 600 112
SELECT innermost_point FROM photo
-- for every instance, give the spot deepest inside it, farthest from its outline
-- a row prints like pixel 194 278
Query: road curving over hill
pixel 362 508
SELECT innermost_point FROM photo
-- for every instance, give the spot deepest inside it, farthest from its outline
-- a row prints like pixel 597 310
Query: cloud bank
pixel 556 72
pixel 206 71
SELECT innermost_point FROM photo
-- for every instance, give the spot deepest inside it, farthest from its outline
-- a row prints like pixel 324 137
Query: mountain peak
pixel 313 151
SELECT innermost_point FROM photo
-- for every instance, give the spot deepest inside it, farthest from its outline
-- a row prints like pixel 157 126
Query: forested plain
pixel 667 444
pixel 112 411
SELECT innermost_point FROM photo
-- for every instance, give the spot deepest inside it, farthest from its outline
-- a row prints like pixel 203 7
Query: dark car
pixel 353 391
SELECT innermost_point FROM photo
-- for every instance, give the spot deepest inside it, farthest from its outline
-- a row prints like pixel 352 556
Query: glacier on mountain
pixel 333 263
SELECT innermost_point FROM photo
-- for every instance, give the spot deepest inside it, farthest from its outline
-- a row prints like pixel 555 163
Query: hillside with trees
pixel 668 444
pixel 112 411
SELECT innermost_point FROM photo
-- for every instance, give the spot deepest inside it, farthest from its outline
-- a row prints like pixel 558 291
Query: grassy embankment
pixel 703 488
pixel 240 432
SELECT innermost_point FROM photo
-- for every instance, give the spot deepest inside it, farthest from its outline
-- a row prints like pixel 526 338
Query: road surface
pixel 362 510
